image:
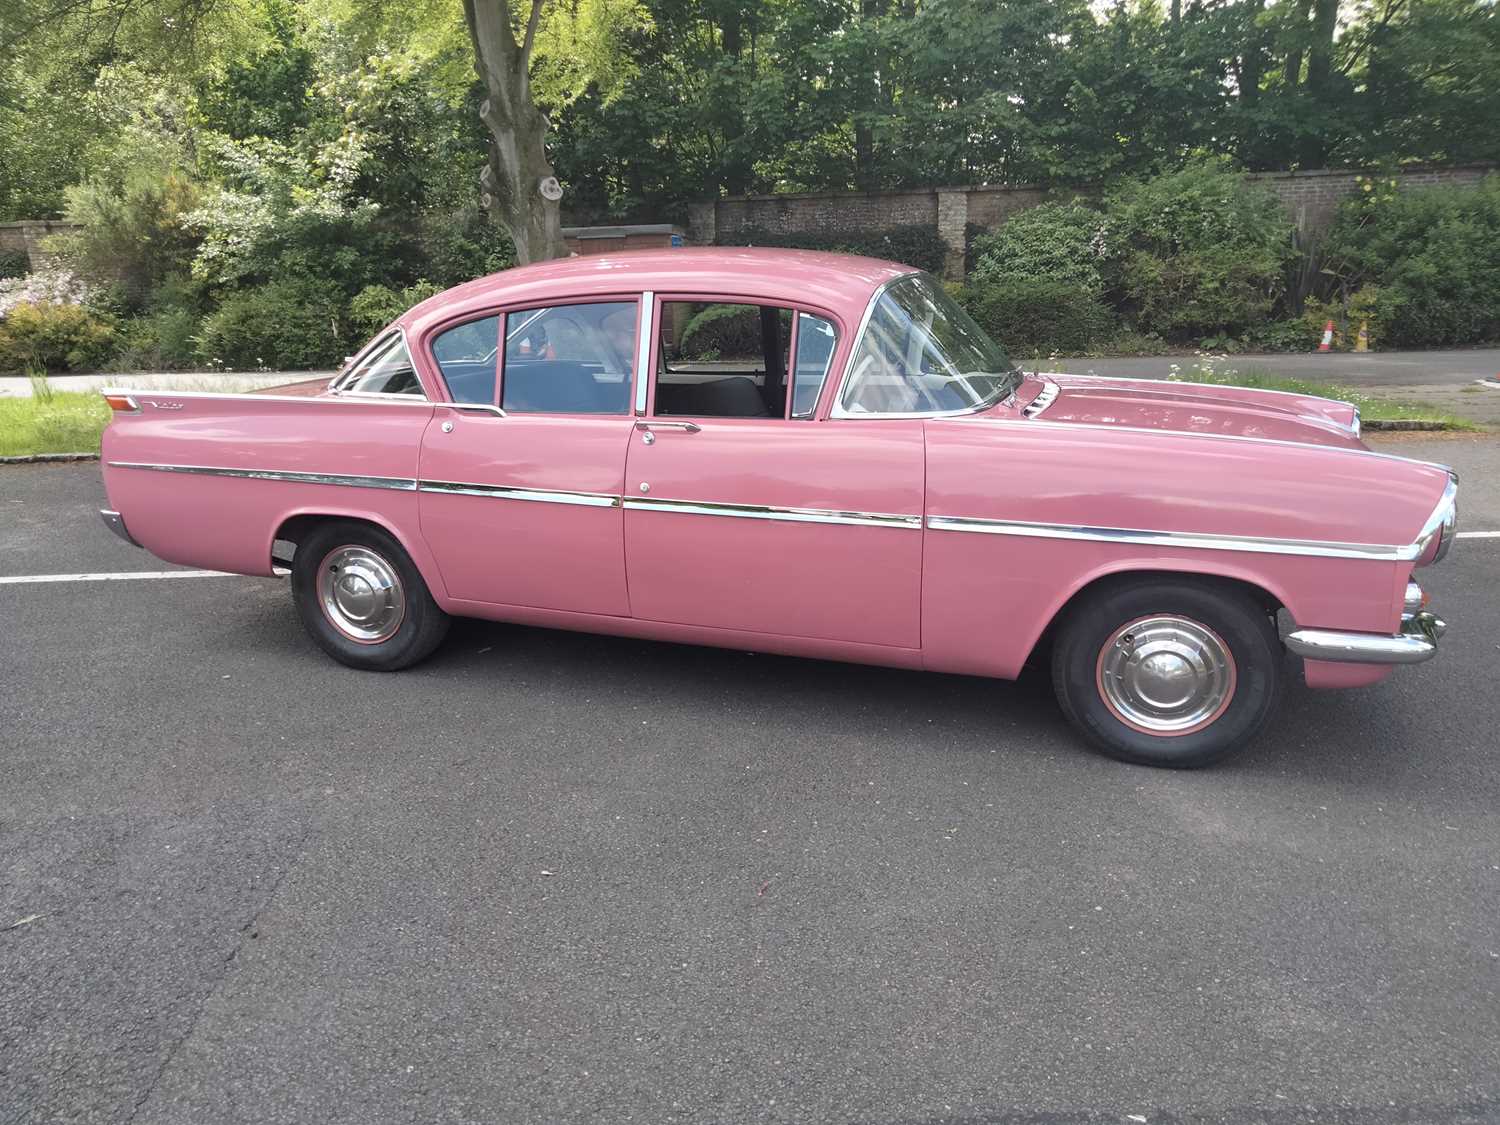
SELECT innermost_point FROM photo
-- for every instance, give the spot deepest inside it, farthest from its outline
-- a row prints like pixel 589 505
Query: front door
pixel 520 502
pixel 744 513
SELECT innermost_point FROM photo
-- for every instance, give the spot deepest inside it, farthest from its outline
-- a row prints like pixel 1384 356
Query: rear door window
pixel 569 359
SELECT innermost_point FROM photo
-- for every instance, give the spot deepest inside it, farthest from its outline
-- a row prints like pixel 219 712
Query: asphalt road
pixel 555 878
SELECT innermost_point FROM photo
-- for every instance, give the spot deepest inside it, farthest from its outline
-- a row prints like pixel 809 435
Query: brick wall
pixel 26 237
pixel 1309 197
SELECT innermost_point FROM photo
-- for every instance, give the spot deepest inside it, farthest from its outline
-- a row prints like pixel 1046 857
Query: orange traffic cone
pixel 1327 344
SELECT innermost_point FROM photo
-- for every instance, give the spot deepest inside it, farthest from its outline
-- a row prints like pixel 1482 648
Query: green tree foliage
pixel 1431 258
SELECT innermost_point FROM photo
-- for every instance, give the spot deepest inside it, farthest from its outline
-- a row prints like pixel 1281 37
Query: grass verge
pixel 1372 408
pixel 60 422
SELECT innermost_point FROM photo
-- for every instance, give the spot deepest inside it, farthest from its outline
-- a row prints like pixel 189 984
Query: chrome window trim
pixel 643 351
pixel 397 484
pixel 335 385
pixel 1178 539
pixel 536 495
pixel 772 512
pixel 315 400
pixel 810 413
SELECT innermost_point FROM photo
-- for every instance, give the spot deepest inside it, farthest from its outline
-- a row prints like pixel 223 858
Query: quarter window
pixel 385 369
pixel 815 340
pixel 569 359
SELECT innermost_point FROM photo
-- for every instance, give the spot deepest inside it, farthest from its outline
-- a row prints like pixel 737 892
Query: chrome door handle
pixel 688 427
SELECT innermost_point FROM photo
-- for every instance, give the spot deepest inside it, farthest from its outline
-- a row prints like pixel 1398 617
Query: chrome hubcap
pixel 361 594
pixel 1166 675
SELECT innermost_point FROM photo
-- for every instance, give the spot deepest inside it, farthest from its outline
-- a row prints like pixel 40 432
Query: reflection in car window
pixel 722 360
pixel 815 340
pixel 922 354
pixel 385 370
pixel 466 354
pixel 569 359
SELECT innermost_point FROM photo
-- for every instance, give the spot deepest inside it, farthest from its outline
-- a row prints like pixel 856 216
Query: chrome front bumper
pixel 1416 642
pixel 116 523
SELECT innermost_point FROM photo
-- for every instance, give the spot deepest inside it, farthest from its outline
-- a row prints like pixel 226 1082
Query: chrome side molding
pixel 397 484
pixel 1183 539
pixel 537 495
pixel 770 512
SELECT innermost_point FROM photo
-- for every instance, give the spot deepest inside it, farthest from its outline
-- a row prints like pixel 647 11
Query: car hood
pixel 1198 408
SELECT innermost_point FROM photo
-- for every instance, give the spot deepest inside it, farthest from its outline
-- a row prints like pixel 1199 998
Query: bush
pixel 290 324
pixel 14 263
pixel 722 331
pixel 1058 242
pixel 917 245
pixel 54 337
pixel 1039 316
pixel 131 235
pixel 1432 257
pixel 375 306
pixel 163 341
pixel 1197 252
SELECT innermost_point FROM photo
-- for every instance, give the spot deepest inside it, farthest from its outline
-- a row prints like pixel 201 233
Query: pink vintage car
pixel 807 454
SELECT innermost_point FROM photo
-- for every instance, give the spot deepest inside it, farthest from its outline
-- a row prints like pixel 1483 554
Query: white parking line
pixel 118 576
pixel 1479 534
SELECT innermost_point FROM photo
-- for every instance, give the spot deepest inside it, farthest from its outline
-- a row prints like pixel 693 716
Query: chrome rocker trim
pixel 1416 642
pixel 769 512
pixel 116 523
pixel 1252 543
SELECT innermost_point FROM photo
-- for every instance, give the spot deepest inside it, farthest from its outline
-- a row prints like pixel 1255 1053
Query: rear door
pixel 744 512
pixel 521 479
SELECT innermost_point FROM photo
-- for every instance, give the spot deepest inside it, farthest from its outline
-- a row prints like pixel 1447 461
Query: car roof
pixel 841 283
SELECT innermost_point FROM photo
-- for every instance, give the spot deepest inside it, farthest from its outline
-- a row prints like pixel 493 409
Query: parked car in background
pixel 807 454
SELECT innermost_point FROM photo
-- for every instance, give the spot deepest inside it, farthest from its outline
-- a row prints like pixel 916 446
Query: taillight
pixel 122 404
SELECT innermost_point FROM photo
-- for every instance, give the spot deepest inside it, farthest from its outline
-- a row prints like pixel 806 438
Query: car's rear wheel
pixel 362 599
pixel 1167 672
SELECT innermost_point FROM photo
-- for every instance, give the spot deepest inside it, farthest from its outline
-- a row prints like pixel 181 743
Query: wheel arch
pixel 1266 591
pixel 295 525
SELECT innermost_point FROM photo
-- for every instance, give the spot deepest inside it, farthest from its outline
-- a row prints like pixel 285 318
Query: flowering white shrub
pixel 49 286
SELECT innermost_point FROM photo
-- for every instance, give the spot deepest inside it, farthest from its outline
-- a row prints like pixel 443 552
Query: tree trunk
pixel 1292 73
pixel 1320 54
pixel 1314 152
pixel 866 175
pixel 518 162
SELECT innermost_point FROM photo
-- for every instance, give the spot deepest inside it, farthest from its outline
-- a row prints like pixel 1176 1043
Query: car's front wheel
pixel 362 599
pixel 1166 672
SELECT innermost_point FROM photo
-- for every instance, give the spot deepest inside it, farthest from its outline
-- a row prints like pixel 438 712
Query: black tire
pixel 1096 636
pixel 397 637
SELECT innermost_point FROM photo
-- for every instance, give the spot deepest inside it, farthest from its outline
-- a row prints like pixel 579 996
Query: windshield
pixel 922 354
